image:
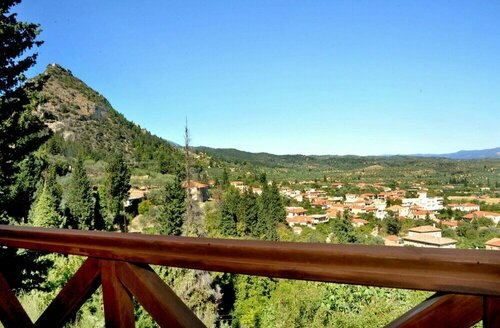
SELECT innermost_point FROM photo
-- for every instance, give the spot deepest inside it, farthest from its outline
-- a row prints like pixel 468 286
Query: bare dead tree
pixel 187 163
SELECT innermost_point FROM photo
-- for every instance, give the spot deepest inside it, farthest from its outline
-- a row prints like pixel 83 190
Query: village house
pixel 452 224
pixel 239 185
pixel 427 203
pixel 468 207
pixel 428 236
pixel 295 211
pixel 422 215
pixel 358 222
pixel 495 217
pixel 350 198
pixel 321 203
pixel 357 209
pixel 197 190
pixel 135 196
pixel 335 212
pixel 493 244
pixel 392 240
pixel 318 218
pixel 399 210
pixel 298 221
pixel 257 191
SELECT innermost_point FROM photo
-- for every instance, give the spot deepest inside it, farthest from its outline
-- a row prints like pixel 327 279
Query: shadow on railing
pixel 467 282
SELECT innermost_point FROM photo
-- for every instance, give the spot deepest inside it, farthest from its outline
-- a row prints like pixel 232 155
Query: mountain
pixel 84 123
pixel 266 159
pixel 467 154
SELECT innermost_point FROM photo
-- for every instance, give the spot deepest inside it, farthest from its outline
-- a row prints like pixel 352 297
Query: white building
pixel 468 207
pixel 427 203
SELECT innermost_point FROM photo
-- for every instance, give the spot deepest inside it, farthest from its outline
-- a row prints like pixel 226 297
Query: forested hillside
pixel 390 169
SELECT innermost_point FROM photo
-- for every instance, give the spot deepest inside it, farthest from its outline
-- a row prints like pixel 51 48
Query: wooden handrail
pixel 453 271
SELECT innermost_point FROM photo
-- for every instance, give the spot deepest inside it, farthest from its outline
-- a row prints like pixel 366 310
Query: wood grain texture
pixel 445 270
pixel 449 310
pixel 73 295
pixel 12 313
pixel 118 304
pixel 491 318
pixel 166 308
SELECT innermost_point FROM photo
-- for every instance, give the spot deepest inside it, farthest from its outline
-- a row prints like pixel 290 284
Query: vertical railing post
pixel 118 304
pixel 491 314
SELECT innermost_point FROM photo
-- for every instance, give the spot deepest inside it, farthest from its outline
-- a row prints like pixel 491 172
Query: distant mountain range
pixel 267 159
pixel 466 154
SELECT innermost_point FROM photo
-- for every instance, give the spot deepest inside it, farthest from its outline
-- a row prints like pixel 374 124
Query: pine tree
pixel 248 214
pixel 80 199
pixel 171 219
pixel 25 185
pixel 20 132
pixel 229 212
pixel 271 212
pixel 225 178
pixel 45 209
pixel 116 186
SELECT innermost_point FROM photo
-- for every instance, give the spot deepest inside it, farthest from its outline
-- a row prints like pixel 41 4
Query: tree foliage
pixel 116 187
pixel 80 199
pixel 171 219
pixel 21 132
pixel 45 210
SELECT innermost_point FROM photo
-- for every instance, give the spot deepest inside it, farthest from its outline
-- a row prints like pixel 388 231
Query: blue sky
pixel 310 77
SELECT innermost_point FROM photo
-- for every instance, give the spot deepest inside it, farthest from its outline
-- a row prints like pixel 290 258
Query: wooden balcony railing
pixel 467 282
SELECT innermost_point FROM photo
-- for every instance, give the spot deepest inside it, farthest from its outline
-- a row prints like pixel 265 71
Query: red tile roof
pixel 493 242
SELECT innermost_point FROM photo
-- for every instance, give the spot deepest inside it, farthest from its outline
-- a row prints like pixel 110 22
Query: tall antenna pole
pixel 189 199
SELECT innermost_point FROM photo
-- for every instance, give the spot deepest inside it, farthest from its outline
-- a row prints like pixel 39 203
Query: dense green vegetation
pixel 392 170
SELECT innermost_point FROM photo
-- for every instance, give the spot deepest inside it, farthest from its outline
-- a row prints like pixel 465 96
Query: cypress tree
pixel 116 186
pixel 171 219
pixel 225 178
pixel 80 198
pixel 248 213
pixel 229 213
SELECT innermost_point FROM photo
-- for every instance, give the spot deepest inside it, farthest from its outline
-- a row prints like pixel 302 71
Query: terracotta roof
pixel 356 220
pixel 493 242
pixel 478 214
pixel 394 208
pixel 296 219
pixel 451 223
pixel 422 212
pixel 296 210
pixel 392 238
pixel 470 205
pixel 194 184
pixel 426 228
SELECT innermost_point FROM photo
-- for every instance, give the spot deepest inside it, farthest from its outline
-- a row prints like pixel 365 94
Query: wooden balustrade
pixel 467 281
